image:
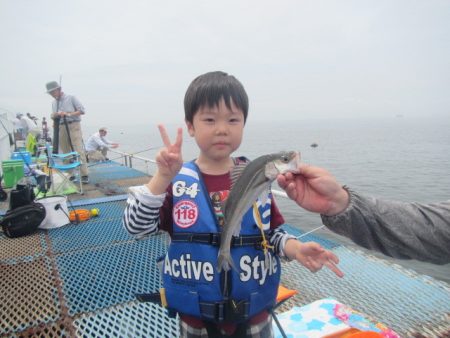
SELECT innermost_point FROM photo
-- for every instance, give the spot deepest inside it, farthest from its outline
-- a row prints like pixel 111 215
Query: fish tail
pixel 224 261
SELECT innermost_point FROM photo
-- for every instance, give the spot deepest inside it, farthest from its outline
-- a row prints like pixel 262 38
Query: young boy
pixel 185 200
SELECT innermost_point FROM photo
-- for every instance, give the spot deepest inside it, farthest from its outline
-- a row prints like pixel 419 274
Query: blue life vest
pixel 193 285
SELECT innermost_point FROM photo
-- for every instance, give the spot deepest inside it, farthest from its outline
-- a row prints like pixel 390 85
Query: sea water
pixel 396 158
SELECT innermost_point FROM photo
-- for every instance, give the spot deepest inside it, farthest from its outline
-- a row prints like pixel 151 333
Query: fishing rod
pixel 122 156
pixel 141 151
pixel 283 194
pixel 56 120
pixel 311 231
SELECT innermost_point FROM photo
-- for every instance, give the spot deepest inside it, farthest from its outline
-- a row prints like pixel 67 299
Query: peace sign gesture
pixel 169 161
pixel 169 158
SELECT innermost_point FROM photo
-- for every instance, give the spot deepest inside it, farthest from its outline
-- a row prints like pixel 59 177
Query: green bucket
pixel 12 172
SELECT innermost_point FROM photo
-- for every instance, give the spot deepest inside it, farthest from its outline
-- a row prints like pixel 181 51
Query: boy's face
pixel 217 130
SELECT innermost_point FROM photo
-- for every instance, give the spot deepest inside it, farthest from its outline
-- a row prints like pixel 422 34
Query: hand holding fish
pixel 169 161
pixel 315 189
pixel 312 256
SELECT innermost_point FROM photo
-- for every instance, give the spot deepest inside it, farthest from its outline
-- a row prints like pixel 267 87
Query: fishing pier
pixel 80 280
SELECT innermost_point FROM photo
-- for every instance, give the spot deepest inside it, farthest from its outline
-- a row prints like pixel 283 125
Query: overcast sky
pixel 131 61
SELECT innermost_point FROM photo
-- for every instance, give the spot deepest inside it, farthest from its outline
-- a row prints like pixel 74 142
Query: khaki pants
pixel 97 155
pixel 77 142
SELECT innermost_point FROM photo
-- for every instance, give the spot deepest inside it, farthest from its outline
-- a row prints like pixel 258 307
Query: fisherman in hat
pixel 67 110
pixel 97 146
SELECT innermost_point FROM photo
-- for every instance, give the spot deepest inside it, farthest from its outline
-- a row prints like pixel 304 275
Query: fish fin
pixel 239 166
pixel 264 196
pixel 225 262
pixel 238 229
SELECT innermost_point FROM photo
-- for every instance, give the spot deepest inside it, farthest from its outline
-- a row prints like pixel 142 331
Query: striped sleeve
pixel 141 215
pixel 278 238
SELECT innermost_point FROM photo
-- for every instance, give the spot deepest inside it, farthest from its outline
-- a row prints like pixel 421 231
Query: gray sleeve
pixel 397 229
pixel 77 105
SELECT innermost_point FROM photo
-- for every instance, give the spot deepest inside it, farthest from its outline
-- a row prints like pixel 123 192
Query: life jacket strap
pixel 229 311
pixel 217 312
pixel 214 239
pixel 194 237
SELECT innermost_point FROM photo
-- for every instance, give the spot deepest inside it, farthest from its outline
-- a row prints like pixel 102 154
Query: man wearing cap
pixel 97 146
pixel 69 110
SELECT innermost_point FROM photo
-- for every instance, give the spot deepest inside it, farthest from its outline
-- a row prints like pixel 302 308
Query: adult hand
pixel 315 189
pixel 55 115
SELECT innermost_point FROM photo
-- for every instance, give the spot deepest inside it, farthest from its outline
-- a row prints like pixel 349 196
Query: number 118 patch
pixel 185 213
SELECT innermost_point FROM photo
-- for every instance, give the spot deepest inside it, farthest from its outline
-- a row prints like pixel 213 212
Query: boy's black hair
pixel 209 88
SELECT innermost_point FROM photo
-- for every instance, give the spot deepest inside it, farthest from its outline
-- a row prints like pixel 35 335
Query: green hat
pixel 51 86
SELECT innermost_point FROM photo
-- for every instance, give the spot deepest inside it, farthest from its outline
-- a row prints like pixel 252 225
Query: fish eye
pixel 285 158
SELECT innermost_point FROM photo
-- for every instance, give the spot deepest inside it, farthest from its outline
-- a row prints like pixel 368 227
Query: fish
pixel 254 181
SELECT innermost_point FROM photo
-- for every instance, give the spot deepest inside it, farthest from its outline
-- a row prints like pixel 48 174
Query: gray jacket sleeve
pixel 397 229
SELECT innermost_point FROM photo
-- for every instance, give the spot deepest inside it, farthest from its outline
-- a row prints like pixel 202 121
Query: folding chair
pixel 59 164
pixel 283 295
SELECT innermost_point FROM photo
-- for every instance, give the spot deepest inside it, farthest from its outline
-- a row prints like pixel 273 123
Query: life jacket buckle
pixel 237 311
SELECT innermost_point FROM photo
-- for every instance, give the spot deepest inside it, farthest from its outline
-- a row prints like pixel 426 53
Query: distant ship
pixel 314 145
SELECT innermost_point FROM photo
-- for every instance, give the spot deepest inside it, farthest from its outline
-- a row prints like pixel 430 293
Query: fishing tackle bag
pixel 23 220
pixel 22 195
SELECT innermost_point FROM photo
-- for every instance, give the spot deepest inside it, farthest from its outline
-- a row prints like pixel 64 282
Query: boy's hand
pixel 169 161
pixel 312 256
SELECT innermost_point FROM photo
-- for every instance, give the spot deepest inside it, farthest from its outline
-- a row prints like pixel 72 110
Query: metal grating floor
pixel 102 277
pixel 403 300
pixel 129 320
pixel 80 281
pixel 22 248
pixel 108 171
pixel 29 295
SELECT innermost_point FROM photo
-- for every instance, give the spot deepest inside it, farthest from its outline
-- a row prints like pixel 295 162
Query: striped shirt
pixel 146 214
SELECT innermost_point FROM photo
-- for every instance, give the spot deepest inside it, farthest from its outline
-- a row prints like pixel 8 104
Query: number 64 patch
pixel 185 213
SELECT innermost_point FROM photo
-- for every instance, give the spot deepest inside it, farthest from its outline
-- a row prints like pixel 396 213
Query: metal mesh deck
pixel 128 320
pixel 102 277
pixel 80 281
pixel 403 300
pixel 108 171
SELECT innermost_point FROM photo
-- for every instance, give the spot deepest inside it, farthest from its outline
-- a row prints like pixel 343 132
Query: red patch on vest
pixel 185 213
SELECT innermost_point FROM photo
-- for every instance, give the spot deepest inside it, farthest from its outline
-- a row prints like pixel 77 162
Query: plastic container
pixel 56 212
pixel 21 155
pixel 12 172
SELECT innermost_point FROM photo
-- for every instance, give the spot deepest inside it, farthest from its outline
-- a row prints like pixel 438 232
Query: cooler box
pixel 12 172
pixel 21 155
